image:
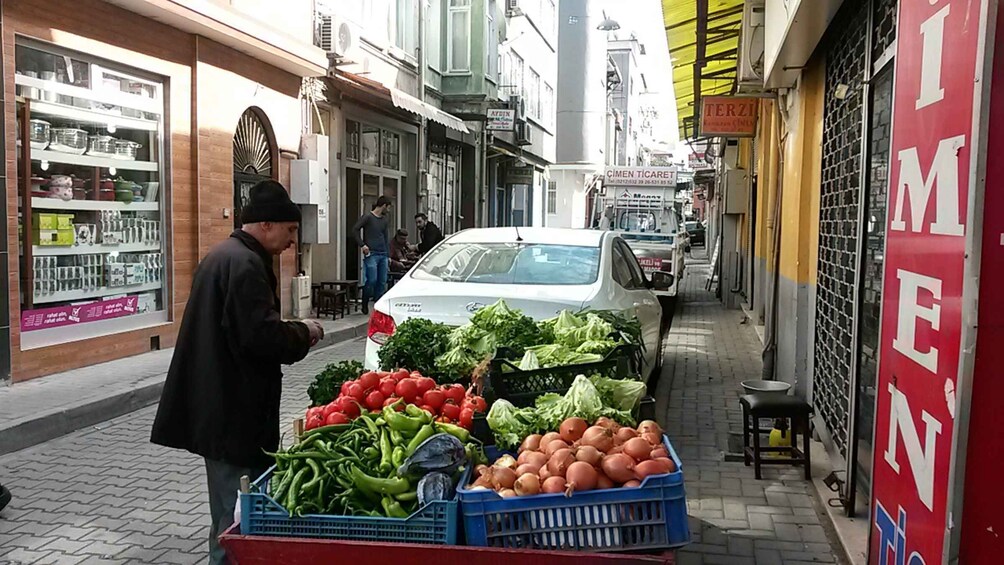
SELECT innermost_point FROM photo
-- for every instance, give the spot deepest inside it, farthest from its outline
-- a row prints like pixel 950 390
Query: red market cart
pixel 262 550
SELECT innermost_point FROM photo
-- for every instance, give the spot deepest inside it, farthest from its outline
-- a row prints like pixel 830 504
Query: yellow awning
pixel 719 72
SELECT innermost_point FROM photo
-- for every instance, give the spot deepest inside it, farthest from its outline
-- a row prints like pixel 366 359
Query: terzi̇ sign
pixel 640 176
pixel 731 116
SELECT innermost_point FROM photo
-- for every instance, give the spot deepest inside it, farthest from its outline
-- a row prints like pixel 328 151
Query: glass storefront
pixel 91 184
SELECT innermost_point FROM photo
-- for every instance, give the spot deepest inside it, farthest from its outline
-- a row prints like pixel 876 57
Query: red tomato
pixel 311 412
pixel 467 418
pixel 316 420
pixel 374 400
pixel 415 375
pixel 451 411
pixel 479 404
pixel 387 386
pixel 400 375
pixel 443 420
pixel 336 418
pixel 425 384
pixel 434 399
pixel 357 391
pixel 345 387
pixel 407 389
pixel 457 393
pixel 329 408
pixel 349 407
pixel 369 380
pixel 428 409
pixel 392 400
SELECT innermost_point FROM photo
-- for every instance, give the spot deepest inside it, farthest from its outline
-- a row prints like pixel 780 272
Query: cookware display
pixel 69 140
pixel 40 132
pixel 101 146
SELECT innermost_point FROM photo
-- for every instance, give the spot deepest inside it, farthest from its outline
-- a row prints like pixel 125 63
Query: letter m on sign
pixel 921 457
pixel 944 173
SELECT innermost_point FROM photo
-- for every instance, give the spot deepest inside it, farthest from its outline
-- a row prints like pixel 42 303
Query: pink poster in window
pixel 60 316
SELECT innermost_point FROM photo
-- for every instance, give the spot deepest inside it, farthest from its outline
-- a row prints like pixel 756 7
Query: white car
pixel 540 271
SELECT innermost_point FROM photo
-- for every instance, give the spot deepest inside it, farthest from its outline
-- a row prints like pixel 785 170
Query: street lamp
pixel 608 24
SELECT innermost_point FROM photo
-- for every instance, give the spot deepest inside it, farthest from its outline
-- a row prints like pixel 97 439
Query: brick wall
pixel 224 83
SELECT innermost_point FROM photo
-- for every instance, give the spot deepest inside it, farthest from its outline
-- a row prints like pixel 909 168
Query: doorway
pixel 254 157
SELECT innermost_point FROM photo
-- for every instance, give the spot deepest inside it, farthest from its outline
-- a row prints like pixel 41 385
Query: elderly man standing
pixel 221 397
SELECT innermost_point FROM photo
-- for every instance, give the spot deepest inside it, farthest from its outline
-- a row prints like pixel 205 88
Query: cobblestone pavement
pixel 734 518
pixel 105 494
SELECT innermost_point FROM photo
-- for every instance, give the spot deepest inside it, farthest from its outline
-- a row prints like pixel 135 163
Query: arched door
pixel 254 156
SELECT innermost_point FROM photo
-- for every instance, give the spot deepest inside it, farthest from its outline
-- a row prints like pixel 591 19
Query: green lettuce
pixel 622 394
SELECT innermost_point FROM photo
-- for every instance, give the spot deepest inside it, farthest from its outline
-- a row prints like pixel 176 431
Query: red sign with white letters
pixel 938 72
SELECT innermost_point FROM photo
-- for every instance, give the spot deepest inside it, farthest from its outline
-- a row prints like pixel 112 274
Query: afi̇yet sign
pixel 933 173
pixel 640 176
pixel 728 116
pixel 501 119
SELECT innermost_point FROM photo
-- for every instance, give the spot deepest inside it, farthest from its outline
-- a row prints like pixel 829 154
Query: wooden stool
pixel 331 302
pixel 756 406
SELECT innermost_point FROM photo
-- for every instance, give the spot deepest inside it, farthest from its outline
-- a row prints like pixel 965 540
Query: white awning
pixel 430 112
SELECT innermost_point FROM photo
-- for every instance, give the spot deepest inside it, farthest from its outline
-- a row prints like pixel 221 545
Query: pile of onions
pixel 579 457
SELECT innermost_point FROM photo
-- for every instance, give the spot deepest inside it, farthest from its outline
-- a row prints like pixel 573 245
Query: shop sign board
pixel 640 176
pixel 728 116
pixel 501 119
pixel 71 315
pixel 936 112
pixel 639 199
pixel 519 175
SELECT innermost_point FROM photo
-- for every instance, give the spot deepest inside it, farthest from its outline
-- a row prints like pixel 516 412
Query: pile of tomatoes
pixel 452 404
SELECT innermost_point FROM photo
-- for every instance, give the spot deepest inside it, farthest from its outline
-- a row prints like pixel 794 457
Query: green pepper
pixel 416 412
pixel 407 497
pixel 283 486
pixel 397 458
pixel 371 453
pixel 294 488
pixel 400 422
pixel 396 485
pixel 318 475
pixel 334 429
pixel 386 451
pixel 423 434
pixel 455 431
pixel 392 508
pixel 396 437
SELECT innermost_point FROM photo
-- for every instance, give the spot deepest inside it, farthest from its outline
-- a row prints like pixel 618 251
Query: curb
pixel 51 425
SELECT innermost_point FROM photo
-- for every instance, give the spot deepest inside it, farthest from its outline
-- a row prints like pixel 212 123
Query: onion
pixel 560 462
pixel 527 485
pixel 649 426
pixel 637 448
pixel 605 422
pixel 653 438
pixel 603 481
pixel 572 429
pixel 503 477
pixel 484 482
pixel 580 476
pixel 588 454
pixel 507 461
pixel 555 445
pixel 507 493
pixel 527 468
pixel 659 452
pixel 668 463
pixel 619 467
pixel 548 438
pixel 544 473
pixel 625 434
pixel 531 443
pixel 650 467
pixel 599 437
pixel 533 458
pixel 632 484
pixel 553 485
pixel 615 450
pixel 480 470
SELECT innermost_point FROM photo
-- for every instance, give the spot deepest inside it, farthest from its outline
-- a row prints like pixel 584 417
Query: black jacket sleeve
pixel 359 225
pixel 430 237
pixel 257 330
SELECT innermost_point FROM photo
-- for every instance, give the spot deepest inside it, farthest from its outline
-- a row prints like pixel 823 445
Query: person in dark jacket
pixel 375 246
pixel 221 396
pixel 428 232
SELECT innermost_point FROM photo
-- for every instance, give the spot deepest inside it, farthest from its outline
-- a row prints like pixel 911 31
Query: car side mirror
pixel 661 280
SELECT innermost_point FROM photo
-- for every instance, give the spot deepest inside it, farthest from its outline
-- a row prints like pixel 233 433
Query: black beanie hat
pixel 268 201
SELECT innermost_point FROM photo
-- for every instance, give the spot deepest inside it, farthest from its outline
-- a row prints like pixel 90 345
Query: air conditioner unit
pixel 524 135
pixel 750 68
pixel 300 288
pixel 518 103
pixel 512 9
pixel 340 37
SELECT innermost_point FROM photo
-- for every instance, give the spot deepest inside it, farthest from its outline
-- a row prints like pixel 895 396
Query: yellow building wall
pixel 766 182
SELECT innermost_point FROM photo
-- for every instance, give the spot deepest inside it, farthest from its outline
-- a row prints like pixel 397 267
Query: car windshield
pixel 638 221
pixel 693 226
pixel 510 263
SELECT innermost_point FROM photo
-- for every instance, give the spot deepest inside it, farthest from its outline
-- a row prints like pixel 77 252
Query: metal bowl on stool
pixel 759 386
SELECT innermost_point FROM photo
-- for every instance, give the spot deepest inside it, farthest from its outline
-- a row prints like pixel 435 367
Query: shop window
pixel 459 32
pixel 370 145
pixel 352 141
pixel 391 150
pixel 547 102
pixel 552 197
pixel 402 20
pixel 492 41
pixel 533 95
pixel 434 35
pixel 92 227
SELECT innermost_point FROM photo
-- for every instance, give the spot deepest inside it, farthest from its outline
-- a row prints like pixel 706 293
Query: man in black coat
pixel 429 233
pixel 221 397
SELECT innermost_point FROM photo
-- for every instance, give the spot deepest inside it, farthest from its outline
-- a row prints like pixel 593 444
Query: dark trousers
pixel 224 481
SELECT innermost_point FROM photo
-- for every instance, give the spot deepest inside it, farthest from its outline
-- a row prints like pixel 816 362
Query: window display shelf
pixel 42 250
pixel 92 205
pixel 92 161
pixel 82 295
pixel 91 117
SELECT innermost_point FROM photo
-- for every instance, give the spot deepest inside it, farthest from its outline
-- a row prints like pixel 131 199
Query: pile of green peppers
pixel 352 469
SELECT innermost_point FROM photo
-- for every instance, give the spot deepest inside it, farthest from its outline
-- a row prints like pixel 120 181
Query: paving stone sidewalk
pixel 105 494
pixel 734 518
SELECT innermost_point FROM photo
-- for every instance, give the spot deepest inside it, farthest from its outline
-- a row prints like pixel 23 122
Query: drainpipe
pixel 420 55
pixel 769 354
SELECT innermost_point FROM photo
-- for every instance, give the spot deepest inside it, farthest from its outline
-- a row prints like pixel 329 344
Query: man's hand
pixel 366 250
pixel 316 331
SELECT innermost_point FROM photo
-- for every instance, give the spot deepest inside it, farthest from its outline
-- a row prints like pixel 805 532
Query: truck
pixel 640 204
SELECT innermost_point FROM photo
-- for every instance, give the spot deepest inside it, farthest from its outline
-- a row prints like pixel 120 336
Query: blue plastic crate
pixel 435 523
pixel 651 516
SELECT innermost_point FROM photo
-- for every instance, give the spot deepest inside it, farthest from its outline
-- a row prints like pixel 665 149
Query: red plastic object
pixel 262 550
